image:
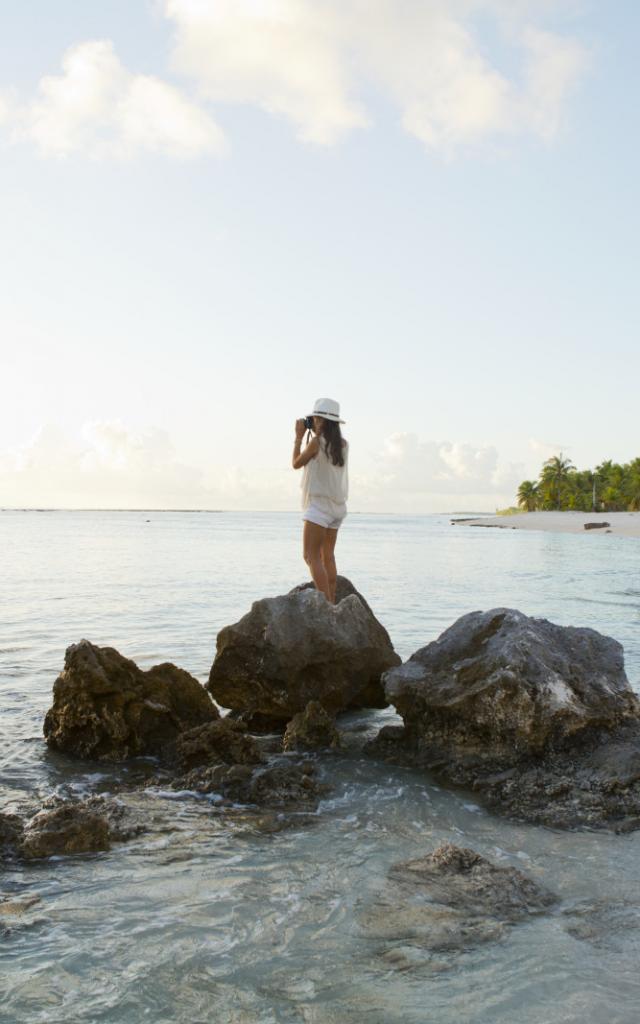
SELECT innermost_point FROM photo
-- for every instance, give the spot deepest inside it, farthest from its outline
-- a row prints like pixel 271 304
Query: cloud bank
pixel 318 66
pixel 110 465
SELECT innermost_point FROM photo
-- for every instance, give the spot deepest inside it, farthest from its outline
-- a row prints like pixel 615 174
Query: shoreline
pixel 620 524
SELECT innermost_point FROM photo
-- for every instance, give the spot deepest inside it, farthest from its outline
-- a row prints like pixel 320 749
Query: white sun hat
pixel 327 409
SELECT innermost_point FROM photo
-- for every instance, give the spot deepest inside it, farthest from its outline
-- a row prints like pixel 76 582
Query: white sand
pixel 621 524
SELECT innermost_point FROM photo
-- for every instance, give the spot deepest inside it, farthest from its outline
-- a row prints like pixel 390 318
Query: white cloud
pixel 309 62
pixel 317 65
pixel 285 56
pixel 97 107
pixel 423 475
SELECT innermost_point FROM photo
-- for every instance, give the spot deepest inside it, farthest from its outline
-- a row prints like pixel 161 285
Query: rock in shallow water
pixel 221 742
pixel 10 835
pixel 528 713
pixel 502 684
pixel 105 707
pixel 311 729
pixel 461 878
pixel 451 899
pixel 298 647
pixel 66 827
pixel 275 785
pixel 70 828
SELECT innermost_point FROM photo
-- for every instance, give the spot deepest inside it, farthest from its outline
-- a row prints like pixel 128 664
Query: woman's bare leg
pixel 328 557
pixel 312 543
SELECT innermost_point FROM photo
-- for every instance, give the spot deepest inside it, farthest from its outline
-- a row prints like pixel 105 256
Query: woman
pixel 325 486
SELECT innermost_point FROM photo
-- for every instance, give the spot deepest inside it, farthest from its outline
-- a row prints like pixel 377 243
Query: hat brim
pixel 323 416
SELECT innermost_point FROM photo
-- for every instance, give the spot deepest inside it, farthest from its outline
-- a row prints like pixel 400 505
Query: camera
pixel 308 422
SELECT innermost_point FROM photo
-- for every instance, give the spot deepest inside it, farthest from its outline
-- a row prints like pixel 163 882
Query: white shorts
pixel 322 517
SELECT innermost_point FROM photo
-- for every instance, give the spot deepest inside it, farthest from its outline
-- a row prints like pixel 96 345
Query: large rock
pixel 105 707
pixel 539 719
pixel 499 684
pixel 298 647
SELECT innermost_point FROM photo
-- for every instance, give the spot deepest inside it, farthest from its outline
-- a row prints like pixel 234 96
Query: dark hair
pixel 333 441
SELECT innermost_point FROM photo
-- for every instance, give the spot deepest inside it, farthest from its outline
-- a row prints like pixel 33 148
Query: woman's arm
pixel 300 459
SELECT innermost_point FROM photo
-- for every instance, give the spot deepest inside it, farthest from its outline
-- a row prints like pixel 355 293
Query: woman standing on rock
pixel 325 486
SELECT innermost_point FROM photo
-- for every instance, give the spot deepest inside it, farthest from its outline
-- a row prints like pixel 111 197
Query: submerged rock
pixel 451 899
pixel 298 647
pixel 69 828
pixel 275 785
pixel 64 827
pixel 311 729
pixel 463 879
pixel 105 707
pixel 10 835
pixel 538 718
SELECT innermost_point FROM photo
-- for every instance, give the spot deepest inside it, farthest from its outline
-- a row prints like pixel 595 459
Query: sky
pixel 215 212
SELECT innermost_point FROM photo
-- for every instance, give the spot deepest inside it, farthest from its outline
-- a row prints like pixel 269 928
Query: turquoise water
pixel 200 920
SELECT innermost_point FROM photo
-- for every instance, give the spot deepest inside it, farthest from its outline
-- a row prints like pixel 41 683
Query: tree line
pixel 610 487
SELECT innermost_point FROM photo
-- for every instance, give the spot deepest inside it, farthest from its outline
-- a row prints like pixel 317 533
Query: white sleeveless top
pixel 325 484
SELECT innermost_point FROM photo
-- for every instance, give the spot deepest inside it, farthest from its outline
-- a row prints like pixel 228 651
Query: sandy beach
pixel 622 524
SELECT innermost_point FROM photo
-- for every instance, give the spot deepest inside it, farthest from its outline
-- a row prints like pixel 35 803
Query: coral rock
pixel 105 707
pixel 311 729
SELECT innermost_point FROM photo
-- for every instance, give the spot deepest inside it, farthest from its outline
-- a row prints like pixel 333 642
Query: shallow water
pixel 205 920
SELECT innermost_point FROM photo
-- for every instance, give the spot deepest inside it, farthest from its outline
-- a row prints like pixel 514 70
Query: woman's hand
pixel 300 430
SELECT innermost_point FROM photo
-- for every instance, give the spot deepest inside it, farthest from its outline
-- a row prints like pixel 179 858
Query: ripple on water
pixel 207 919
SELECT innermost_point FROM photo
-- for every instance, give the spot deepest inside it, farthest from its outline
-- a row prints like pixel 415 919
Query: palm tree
pixel 528 495
pixel 555 472
pixel 632 485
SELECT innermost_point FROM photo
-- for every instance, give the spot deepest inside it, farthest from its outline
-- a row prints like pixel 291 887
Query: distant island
pixel 610 487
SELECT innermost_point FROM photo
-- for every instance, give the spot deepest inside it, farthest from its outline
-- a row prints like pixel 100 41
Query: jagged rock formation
pixel 106 708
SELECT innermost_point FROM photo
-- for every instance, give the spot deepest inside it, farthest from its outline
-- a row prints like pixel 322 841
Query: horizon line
pixel 221 511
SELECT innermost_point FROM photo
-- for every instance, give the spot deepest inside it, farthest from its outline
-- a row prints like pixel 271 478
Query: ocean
pixel 202 920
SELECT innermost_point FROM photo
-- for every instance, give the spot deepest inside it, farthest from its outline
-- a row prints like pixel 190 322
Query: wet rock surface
pixel 10 835
pixel 68 829
pixel 257 724
pixel 539 719
pixel 311 729
pixel 502 684
pixel 223 741
pixel 279 784
pixel 106 708
pixel 298 647
pixel 450 899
